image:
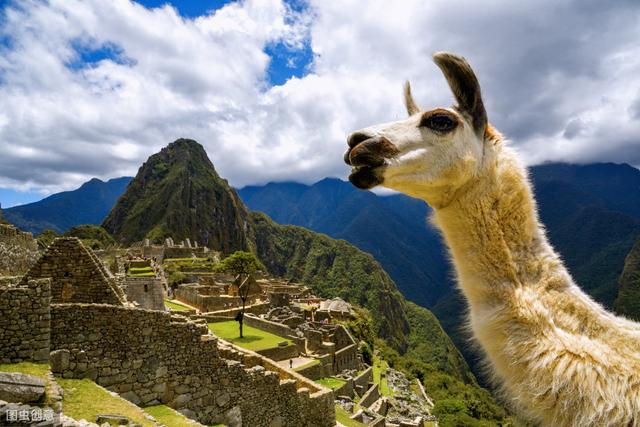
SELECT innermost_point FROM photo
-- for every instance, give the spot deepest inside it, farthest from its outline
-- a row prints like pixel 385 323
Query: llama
pixel 561 359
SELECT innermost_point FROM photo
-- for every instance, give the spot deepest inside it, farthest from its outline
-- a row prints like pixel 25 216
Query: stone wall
pixel 365 378
pixel 370 396
pixel 341 337
pixel 318 370
pixel 347 358
pixel 148 292
pixel 76 274
pixel 190 294
pixel 280 353
pixel 18 251
pixel 152 357
pixel 25 320
pixel 269 326
pixel 178 252
pixel 347 389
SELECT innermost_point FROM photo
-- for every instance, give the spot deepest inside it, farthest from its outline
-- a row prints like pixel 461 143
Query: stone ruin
pixel 77 275
pixel 171 249
pixel 18 250
pixel 69 310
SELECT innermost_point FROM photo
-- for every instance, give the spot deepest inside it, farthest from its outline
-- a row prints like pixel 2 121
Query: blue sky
pixel 271 88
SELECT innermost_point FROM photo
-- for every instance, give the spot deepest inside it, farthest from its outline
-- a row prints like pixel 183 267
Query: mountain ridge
pixel 88 204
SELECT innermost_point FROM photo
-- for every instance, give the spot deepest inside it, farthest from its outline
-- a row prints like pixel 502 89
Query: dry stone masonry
pixel 25 320
pixel 18 251
pixel 76 274
pixel 151 357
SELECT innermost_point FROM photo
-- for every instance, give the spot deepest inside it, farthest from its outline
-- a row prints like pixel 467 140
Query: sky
pixel 272 88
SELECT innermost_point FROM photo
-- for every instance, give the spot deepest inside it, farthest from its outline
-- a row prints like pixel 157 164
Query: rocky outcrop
pixel 21 388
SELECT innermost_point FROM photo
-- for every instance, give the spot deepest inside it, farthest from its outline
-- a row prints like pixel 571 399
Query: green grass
pixel 168 416
pixel 342 417
pixel 84 399
pixel 254 339
pixel 185 259
pixel 175 306
pixel 146 274
pixel 332 383
pixel 379 366
pixel 36 369
pixel 141 272
pixel 307 365
pixel 140 269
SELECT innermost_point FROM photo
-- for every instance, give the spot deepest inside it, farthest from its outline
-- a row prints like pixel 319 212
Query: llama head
pixel 431 154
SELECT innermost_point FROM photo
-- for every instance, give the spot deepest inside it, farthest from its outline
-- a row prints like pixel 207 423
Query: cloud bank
pixel 92 88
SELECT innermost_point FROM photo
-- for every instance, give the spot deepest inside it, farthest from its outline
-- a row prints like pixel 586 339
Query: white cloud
pixel 560 78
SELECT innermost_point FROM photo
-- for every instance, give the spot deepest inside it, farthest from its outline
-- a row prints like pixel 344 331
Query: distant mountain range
pixel 88 204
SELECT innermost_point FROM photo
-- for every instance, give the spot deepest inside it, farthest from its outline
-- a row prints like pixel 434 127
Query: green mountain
pixel 177 193
pixel 88 204
pixel 628 301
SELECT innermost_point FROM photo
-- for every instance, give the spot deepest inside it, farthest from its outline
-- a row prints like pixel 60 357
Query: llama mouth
pixel 366 177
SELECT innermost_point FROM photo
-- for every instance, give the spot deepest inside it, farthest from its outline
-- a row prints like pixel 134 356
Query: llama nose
pixel 358 137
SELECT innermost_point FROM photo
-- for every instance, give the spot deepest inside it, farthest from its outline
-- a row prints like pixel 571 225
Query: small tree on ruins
pixel 241 264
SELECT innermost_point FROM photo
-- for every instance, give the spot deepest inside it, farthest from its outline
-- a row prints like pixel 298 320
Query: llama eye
pixel 438 122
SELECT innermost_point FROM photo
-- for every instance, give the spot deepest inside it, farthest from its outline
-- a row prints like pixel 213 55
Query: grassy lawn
pixel 332 383
pixel 150 274
pixel 342 417
pixel 168 416
pixel 84 399
pixel 175 306
pixel 185 259
pixel 141 272
pixel 36 369
pixel 254 339
pixel 307 365
pixel 379 366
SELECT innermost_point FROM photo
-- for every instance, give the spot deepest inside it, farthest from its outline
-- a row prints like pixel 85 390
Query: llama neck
pixel 493 232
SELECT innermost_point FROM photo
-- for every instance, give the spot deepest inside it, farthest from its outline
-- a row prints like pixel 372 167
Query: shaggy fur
pixel 561 358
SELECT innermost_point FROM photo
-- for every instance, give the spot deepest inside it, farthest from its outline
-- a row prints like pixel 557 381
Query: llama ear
pixel 409 102
pixel 465 87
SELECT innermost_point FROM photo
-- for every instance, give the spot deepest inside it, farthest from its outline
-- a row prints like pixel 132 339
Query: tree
pixel 241 264
pixel 46 238
pixel 92 236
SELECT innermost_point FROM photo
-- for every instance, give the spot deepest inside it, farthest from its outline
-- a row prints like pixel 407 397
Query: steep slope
pixel 88 204
pixel 628 301
pixel 333 268
pixel 178 193
pixel 393 229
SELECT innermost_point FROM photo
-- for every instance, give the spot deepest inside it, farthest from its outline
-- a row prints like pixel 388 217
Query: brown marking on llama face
pixel 368 153
pixel 439 120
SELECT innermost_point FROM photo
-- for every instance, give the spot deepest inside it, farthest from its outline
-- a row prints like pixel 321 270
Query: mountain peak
pixel 177 193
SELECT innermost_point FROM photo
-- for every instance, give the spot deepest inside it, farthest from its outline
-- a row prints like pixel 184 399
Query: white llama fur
pixel 561 358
